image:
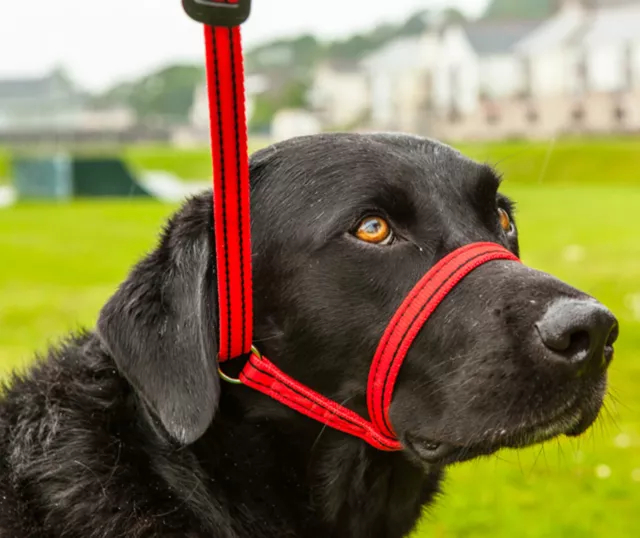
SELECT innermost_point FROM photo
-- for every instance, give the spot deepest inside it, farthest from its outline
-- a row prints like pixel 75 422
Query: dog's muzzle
pixel 262 375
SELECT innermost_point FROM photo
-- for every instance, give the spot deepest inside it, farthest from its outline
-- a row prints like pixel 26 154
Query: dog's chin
pixel 572 420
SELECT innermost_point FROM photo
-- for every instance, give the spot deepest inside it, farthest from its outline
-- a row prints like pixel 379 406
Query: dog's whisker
pixel 324 426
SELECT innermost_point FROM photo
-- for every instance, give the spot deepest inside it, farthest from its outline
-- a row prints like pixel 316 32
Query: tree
pixel 453 16
pixel 522 9
pixel 292 95
pixel 165 96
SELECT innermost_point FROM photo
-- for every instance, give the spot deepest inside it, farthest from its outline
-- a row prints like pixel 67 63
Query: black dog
pixel 127 431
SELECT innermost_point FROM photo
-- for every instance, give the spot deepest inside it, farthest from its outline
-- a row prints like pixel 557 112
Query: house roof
pixel 609 3
pixel 22 88
pixel 400 54
pixel 612 24
pixel 607 21
pixel 554 31
pixel 43 87
pixel 496 37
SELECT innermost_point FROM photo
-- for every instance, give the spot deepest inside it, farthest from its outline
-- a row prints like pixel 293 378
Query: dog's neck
pixel 260 470
pixel 334 485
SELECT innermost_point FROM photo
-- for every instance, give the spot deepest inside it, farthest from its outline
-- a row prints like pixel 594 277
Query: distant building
pixel 578 71
pixel 50 109
pixel 476 73
pixel 116 119
pixel 445 82
pixel 401 86
pixel 339 95
pixel 584 68
pixel 290 123
pixel 48 102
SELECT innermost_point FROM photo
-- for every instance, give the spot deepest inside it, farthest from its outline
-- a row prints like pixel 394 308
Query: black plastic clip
pixel 218 12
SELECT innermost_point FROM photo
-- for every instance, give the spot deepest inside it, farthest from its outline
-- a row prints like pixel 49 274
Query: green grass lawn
pixel 561 162
pixel 61 262
pixel 587 236
pixel 558 162
pixel 186 164
pixel 4 165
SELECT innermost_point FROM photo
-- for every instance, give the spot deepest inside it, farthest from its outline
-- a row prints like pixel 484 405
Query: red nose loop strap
pixel 409 319
pixel 225 82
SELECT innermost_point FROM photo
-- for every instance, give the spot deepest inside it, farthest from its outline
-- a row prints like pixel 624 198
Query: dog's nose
pixel 581 332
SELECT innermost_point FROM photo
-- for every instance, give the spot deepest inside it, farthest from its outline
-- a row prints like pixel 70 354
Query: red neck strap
pixel 225 81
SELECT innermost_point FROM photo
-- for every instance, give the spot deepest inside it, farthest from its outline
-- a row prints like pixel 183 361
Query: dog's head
pixel 343 226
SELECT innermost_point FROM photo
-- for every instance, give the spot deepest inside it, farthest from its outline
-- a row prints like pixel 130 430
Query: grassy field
pixel 562 162
pixel 578 221
pixel 186 164
pixel 4 165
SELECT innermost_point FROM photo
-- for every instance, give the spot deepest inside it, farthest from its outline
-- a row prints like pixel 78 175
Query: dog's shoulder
pixel 54 433
pixel 58 399
pixel 73 454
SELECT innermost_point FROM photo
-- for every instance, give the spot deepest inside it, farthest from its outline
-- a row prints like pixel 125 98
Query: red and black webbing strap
pixel 225 82
pixel 263 376
pixel 231 197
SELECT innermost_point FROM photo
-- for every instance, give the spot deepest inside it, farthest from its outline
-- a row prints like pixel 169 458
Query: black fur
pixel 127 430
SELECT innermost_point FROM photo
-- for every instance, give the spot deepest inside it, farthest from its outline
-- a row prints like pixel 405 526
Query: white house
pixel 477 62
pixel 340 94
pixel 400 79
pixel 550 63
pixel 48 102
pixel 579 70
pixel 289 123
pixel 476 70
pixel 584 67
pixel 444 82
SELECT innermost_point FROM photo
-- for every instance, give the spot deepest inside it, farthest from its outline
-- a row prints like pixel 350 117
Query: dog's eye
pixel 505 220
pixel 374 230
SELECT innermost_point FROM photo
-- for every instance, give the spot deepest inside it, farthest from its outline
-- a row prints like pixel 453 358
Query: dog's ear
pixel 160 325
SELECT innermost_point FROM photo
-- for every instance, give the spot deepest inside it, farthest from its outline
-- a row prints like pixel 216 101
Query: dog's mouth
pixel 571 419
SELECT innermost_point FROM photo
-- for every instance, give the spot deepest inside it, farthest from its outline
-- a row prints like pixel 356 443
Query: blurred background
pixel 103 130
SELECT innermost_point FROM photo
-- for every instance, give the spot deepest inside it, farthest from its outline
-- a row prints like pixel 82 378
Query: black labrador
pixel 343 227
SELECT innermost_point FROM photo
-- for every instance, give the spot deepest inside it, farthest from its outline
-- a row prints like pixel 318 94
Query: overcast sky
pixel 104 42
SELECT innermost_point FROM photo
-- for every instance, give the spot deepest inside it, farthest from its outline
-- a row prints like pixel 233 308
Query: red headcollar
pixel 405 325
pixel 225 79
